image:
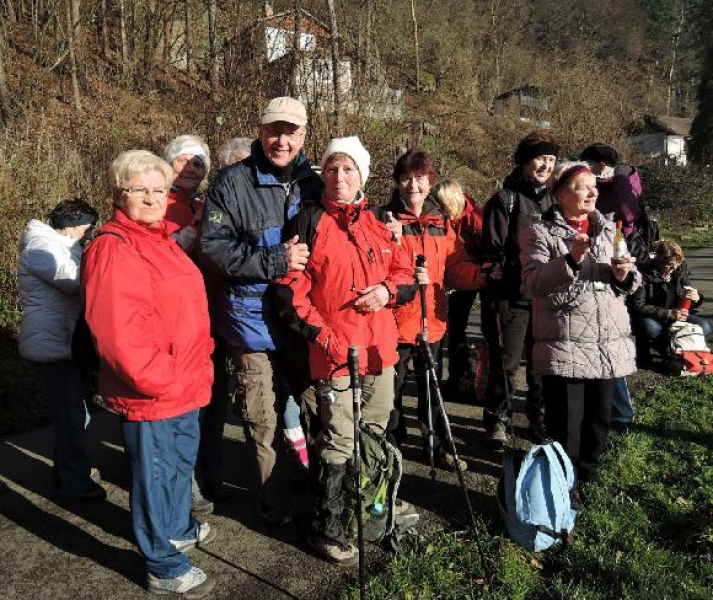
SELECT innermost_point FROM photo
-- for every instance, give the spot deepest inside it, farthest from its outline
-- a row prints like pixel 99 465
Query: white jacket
pixel 48 276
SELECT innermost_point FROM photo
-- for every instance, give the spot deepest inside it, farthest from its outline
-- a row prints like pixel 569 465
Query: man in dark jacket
pixel 507 214
pixel 241 237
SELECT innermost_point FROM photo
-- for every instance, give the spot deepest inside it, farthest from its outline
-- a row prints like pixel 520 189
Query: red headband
pixel 568 174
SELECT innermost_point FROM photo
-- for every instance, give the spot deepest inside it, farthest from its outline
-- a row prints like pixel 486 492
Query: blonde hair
pixel 175 147
pixel 131 162
pixel 449 195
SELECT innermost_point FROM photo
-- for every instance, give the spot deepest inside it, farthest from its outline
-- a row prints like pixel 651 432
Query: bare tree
pixel 4 92
pixel 10 10
pixel 335 67
pixel 188 42
pixel 124 40
pixel 74 70
pixel 415 43
pixel 296 50
pixel 103 25
pixel 213 44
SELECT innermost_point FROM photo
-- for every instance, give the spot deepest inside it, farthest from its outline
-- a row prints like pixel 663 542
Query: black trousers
pixel 577 415
pixel 515 318
pixel 460 303
pixel 396 428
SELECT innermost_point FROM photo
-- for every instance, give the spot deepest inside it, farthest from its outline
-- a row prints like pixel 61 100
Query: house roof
pixel 288 13
pixel 670 125
pixel 530 90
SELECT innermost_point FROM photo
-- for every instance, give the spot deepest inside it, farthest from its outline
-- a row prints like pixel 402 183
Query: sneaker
pixel 193 584
pixel 206 534
pixel 498 436
pixel 447 462
pixel 201 505
pixel 339 554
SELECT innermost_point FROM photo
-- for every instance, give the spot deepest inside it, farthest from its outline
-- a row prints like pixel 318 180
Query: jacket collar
pixel 431 214
pixel 163 231
pixel 517 182
pixel 560 228
pixel 267 174
pixel 345 214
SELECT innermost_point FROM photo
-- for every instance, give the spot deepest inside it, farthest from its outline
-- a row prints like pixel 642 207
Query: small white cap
pixel 354 149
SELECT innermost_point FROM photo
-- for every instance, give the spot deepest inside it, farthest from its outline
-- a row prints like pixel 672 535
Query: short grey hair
pixel 234 150
pixel 131 162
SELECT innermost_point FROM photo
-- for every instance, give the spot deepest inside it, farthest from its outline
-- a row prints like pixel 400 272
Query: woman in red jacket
pixel 345 297
pixel 426 232
pixel 147 311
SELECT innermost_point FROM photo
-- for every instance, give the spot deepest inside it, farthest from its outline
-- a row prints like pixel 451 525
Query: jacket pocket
pixel 249 394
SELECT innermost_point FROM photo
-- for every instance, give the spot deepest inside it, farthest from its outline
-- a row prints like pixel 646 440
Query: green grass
pixel 647 531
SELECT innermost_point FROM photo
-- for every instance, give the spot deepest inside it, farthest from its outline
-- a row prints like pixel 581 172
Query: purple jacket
pixel 620 195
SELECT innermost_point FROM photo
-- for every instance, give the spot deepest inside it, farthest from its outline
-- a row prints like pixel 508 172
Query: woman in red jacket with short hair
pixel 428 233
pixel 146 308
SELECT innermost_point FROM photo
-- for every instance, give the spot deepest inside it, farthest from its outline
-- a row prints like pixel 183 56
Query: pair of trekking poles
pixel 432 385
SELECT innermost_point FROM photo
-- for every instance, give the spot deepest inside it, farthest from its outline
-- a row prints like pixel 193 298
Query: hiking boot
pixel 206 534
pixel 405 515
pixel 193 584
pixel 498 435
pixel 94 493
pixel 339 554
pixel 447 462
pixel 201 505
pixel 538 432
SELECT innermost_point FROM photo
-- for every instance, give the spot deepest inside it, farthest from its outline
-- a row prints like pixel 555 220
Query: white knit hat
pixel 353 148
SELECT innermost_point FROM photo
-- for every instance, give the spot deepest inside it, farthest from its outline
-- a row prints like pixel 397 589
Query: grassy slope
pixel 647 532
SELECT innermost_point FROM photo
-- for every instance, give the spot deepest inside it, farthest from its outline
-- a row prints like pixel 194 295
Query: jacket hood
pixel 38 229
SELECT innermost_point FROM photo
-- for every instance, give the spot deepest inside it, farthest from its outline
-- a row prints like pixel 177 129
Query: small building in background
pixel 270 54
pixel 665 139
pixel 527 103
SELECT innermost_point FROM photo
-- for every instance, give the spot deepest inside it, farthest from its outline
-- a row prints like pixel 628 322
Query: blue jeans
pixel 649 330
pixel 162 455
pixel 621 409
pixel 63 385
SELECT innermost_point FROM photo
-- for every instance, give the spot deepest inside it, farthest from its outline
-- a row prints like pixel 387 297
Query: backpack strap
pixel 121 237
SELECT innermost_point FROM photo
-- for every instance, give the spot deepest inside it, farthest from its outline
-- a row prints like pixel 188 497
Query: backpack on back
pixel 533 494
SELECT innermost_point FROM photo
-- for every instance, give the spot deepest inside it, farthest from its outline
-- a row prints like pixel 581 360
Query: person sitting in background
pixel 233 151
pixel 189 157
pixel 147 311
pixel 659 301
pixel 580 322
pixel 48 277
pixel 466 217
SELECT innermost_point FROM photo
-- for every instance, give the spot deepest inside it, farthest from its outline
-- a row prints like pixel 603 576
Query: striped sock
pixel 297 443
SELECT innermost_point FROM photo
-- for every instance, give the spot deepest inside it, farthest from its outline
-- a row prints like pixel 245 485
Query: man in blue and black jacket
pixel 241 239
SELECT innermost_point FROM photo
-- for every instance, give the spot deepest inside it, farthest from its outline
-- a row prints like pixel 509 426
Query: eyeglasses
pixel 418 179
pixel 145 192
pixel 276 133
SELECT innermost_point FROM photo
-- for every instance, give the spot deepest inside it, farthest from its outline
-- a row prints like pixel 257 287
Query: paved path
pixel 701 266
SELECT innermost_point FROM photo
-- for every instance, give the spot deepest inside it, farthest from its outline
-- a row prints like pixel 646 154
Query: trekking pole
pixel 421 262
pixel 430 364
pixel 355 384
pixel 506 380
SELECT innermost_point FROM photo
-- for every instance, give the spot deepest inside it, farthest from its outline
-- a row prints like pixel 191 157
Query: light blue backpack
pixel 533 494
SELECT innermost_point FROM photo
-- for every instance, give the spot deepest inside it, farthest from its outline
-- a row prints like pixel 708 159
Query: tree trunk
pixel 335 67
pixel 296 51
pixel 188 25
pixel 150 37
pixel 124 40
pixel 367 41
pixel 674 54
pixel 415 44
pixel 213 42
pixel 131 26
pixel 167 35
pixel 10 9
pixel 104 29
pixel 71 30
pixel 4 92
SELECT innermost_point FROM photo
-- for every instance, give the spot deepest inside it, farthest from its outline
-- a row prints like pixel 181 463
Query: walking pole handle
pixel 421 262
pixel 353 364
